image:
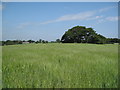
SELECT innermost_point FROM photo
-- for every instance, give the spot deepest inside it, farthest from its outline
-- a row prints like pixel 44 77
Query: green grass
pixel 0 67
pixel 60 66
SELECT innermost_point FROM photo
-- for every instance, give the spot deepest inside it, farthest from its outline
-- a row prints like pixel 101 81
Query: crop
pixel 56 65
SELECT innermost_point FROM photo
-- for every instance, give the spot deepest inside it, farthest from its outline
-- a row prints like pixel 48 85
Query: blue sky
pixel 0 21
pixel 50 20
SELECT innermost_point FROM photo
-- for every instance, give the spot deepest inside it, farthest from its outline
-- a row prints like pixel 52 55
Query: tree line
pixel 77 34
pixel 14 42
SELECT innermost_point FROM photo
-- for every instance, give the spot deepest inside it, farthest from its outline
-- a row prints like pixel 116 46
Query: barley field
pixel 55 65
pixel 0 67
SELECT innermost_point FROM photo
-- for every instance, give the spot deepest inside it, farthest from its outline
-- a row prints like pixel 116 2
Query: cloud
pixel 115 18
pixel 23 25
pixel 95 17
pixel 110 18
pixel 106 9
pixel 78 16
pixel 89 15
pixel 107 19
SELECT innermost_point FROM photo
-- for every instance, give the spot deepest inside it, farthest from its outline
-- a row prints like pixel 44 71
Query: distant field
pixel 60 66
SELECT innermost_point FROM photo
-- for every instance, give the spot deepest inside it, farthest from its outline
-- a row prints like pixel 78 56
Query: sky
pixel 50 20
pixel 60 0
pixel 0 21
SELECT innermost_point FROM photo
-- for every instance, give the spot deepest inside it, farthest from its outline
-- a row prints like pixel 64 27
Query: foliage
pixel 10 42
pixel 31 41
pixel 81 34
pixel 58 40
pixel 41 41
pixel 14 42
pixel 113 40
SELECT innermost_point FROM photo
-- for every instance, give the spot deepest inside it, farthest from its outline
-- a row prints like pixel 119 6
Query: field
pixel 60 66
pixel 0 67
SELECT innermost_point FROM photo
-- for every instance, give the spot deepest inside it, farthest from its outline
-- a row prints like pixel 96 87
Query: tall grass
pixel 0 67
pixel 60 66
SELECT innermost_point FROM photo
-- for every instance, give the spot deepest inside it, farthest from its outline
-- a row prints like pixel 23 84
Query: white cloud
pixel 115 18
pixel 95 17
pixel 89 15
pixel 23 25
pixel 101 20
pixel 78 16
pixel 106 9
pixel 106 19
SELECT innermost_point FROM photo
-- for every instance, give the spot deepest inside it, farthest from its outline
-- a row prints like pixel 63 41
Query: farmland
pixel 0 67
pixel 55 65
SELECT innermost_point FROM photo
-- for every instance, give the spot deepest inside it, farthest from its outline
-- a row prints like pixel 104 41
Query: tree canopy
pixel 81 34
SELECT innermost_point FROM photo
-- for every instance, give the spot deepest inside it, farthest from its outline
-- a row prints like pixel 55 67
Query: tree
pixel 3 43
pixel 46 41
pixel 113 40
pixel 81 34
pixel 40 41
pixel 58 40
pixel 37 42
pixel 31 41
pixel 9 42
pixel 43 41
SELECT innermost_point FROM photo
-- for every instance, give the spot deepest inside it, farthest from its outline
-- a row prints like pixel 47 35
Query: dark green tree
pixel 43 41
pixel 58 40
pixel 9 42
pixel 46 41
pixel 40 41
pixel 37 42
pixel 81 34
pixel 31 41
pixel 113 40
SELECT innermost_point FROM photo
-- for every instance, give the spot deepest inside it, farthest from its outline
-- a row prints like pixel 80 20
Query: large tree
pixel 81 34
